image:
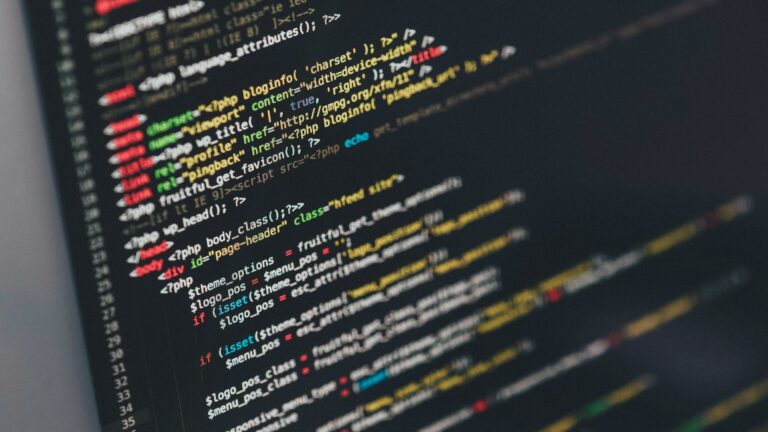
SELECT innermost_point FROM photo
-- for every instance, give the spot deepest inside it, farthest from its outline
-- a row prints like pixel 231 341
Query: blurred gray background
pixel 44 379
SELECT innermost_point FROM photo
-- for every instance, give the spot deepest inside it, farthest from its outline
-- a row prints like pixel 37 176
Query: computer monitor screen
pixel 345 216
